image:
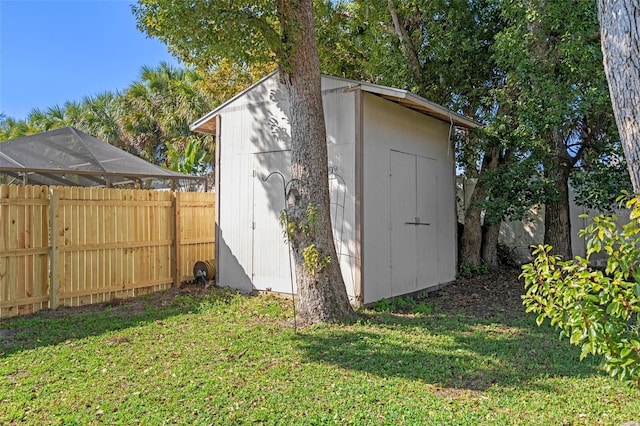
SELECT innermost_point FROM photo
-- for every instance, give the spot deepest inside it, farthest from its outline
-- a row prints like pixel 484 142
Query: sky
pixel 53 51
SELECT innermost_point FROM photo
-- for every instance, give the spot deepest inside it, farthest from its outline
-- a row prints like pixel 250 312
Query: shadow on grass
pixel 446 349
pixel 47 327
pixel 449 351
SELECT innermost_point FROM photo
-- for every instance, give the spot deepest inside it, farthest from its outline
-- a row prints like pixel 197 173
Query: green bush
pixel 422 308
pixel 403 304
pixel 383 305
pixel 469 270
pixel 598 310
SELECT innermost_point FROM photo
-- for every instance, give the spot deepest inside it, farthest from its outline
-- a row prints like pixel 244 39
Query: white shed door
pixel 270 264
pixel 413 223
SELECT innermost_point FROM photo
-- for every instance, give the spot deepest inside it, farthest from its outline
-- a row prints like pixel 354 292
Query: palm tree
pixel 160 107
pixel 149 118
pixel 102 117
pixel 10 128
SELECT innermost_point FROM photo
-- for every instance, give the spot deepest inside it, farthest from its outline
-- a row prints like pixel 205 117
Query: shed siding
pixel 388 126
pixel 254 141
pixel 251 124
pixel 339 112
pixel 255 137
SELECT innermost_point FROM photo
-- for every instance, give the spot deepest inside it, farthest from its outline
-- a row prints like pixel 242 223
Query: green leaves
pixel 597 310
pixel 194 161
pixel 205 32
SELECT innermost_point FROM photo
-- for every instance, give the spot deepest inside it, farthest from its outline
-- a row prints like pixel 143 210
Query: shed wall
pixel 389 127
pixel 255 141
pixel 340 118
pixel 251 124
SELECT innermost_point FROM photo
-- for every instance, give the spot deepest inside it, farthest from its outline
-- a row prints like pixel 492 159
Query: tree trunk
pixel 490 244
pixel 471 244
pixel 557 222
pixel 322 295
pixel 620 36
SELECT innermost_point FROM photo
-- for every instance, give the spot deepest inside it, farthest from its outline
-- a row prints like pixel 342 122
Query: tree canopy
pixel 531 73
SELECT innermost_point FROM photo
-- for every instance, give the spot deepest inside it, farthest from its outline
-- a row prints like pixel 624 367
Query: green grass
pixel 221 358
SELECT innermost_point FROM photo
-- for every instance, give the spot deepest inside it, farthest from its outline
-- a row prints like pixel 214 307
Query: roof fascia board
pixel 454 116
pixel 419 100
pixel 393 92
pixel 367 87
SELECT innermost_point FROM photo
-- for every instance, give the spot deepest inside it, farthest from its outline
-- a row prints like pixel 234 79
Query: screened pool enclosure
pixel 68 156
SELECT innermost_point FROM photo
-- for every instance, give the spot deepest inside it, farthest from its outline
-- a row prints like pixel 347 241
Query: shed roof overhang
pixel 207 124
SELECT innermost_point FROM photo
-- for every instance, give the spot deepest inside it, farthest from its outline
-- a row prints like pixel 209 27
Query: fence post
pixel 55 259
pixel 177 237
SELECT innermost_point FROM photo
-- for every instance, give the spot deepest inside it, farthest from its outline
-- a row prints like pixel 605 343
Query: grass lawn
pixel 219 358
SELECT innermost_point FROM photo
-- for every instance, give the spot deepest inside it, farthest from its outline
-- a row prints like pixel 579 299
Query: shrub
pixel 469 270
pixel 422 308
pixel 598 310
pixel 403 304
pixel 383 305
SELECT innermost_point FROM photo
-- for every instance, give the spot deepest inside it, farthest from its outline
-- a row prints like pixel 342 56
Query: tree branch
pixel 406 46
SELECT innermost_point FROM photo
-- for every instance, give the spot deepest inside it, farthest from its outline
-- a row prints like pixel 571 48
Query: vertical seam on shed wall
pixel 217 189
pixel 359 210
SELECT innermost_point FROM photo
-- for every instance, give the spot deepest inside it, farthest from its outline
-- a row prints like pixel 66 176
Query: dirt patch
pixel 6 334
pixel 497 294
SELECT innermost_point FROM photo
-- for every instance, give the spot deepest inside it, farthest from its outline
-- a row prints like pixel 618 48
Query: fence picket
pixel 55 255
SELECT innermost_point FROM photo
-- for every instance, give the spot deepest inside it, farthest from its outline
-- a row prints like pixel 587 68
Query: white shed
pixel 392 187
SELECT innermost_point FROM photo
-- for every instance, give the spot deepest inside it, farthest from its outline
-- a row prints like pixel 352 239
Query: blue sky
pixel 53 51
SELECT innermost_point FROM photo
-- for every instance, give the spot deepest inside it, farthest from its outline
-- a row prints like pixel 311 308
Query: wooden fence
pixel 73 246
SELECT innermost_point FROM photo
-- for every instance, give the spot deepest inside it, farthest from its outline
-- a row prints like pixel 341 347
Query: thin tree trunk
pixel 557 222
pixel 322 295
pixel 408 50
pixel 620 36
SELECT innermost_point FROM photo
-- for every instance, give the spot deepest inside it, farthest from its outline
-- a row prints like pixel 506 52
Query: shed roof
pixel 68 156
pixel 407 99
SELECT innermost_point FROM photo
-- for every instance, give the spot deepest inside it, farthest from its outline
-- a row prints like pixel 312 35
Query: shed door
pixel 270 257
pixel 413 227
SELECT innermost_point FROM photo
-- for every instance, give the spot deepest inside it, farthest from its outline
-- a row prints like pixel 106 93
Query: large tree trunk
pixel 557 222
pixel 620 35
pixel 490 238
pixel 322 295
pixel 471 243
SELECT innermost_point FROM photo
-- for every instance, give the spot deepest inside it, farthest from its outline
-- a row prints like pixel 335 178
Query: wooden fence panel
pixel 197 233
pixel 72 246
pixel 24 247
pixel 109 247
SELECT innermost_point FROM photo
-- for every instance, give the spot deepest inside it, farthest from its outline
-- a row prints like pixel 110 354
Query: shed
pixel 67 156
pixel 392 184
